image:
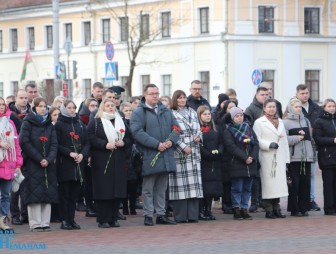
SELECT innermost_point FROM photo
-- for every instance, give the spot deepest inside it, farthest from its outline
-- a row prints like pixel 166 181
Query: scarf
pixel 274 119
pixel 241 131
pixel 65 112
pixel 39 117
pixel 7 136
pixel 116 132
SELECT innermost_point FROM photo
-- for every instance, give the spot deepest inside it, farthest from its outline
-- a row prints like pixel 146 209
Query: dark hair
pixel 149 86
pixel 196 81
pixel 38 100
pixel 11 97
pixel 301 87
pixel 134 98
pixel 108 91
pixel 326 101
pixel 177 94
pixel 261 88
pixel 223 110
pixel 269 100
pixel 67 102
pixel 200 110
pixel 53 109
pixel 32 85
pixel 231 91
pixel 97 84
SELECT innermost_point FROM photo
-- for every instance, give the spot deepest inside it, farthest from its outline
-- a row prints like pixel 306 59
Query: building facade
pixel 219 42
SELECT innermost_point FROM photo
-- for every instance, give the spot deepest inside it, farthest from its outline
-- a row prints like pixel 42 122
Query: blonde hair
pixel 200 110
pixel 291 102
pixel 125 105
pixel 101 108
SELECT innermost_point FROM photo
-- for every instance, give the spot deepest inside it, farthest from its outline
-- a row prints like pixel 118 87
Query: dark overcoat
pixel 113 184
pixel 37 190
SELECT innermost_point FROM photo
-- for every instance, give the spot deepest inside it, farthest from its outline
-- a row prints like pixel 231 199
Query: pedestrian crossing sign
pixel 111 71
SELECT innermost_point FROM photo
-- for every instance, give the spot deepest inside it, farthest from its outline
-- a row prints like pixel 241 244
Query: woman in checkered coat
pixel 185 185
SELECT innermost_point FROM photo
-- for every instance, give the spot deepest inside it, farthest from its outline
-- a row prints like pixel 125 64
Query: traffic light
pixel 62 71
pixel 65 89
pixel 74 69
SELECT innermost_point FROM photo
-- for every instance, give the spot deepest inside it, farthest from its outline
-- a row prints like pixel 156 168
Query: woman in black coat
pixel 73 150
pixel 210 162
pixel 242 145
pixel 325 137
pixel 110 139
pixel 38 142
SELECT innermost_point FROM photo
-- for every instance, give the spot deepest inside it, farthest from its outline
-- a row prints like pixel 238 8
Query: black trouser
pixel 256 191
pixel 226 198
pixel 132 187
pixel 329 189
pixel 299 190
pixel 15 210
pixel 88 187
pixel 205 205
pixel 68 194
pixel 107 210
pixel 272 204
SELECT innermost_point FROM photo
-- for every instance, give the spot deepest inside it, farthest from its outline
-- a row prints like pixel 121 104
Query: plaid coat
pixel 186 182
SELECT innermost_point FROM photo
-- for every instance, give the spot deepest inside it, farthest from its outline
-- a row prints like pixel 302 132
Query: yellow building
pixel 219 42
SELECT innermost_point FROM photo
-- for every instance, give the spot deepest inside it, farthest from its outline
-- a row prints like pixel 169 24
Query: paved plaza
pixel 313 234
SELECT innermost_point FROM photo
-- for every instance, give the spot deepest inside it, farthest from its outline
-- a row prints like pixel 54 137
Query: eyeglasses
pixel 153 94
pixel 197 89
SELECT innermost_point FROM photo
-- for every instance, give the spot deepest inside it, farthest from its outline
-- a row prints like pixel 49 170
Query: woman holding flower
pixel 273 156
pixel 39 148
pixel 185 185
pixel 211 162
pixel 11 161
pixel 110 139
pixel 242 146
pixel 73 150
pixel 299 137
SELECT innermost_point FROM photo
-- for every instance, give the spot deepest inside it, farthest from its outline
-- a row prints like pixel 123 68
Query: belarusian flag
pixel 28 60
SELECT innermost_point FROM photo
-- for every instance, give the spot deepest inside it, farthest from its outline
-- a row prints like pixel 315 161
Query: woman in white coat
pixel 273 156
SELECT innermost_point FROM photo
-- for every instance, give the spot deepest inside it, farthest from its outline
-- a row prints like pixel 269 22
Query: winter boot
pixel 236 214
pixel 4 226
pixel 245 215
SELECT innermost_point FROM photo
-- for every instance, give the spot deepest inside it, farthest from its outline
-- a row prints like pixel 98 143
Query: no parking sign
pixel 257 77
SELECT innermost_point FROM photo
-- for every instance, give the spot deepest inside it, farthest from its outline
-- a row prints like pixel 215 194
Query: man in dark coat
pixel 151 125
pixel 20 108
pixel 270 94
pixel 311 111
pixel 97 93
pixel 254 111
pixel 195 99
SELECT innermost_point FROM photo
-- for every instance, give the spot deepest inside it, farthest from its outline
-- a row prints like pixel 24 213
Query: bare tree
pixel 137 31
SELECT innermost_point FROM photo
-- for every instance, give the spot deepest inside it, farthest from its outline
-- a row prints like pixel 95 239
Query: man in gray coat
pixel 151 125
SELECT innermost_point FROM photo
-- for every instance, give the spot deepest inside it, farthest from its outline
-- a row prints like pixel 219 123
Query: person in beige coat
pixel 273 156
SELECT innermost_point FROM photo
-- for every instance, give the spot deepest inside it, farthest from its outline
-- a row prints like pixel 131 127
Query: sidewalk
pixel 313 234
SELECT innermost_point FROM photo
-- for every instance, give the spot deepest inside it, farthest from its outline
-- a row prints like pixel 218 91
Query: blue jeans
pixel 241 192
pixel 314 166
pixel 5 190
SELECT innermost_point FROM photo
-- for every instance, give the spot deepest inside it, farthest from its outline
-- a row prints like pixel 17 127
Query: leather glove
pixel 274 145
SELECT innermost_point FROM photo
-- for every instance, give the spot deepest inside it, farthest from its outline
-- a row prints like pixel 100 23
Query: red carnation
pixel 177 129
pixel 76 137
pixel 122 130
pixel 7 133
pixel 72 133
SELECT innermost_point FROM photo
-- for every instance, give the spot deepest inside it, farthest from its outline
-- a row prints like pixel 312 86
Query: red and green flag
pixel 28 59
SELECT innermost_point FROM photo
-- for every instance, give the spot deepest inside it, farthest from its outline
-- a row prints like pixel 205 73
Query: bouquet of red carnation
pixel 175 130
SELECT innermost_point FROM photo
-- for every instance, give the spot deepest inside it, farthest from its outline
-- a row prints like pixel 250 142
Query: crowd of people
pixel 177 154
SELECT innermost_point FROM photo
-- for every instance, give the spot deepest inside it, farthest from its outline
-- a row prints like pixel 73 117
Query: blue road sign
pixel 111 71
pixel 109 51
pixel 257 77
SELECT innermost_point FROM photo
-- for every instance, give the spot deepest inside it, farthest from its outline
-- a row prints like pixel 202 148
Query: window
pixel 268 76
pixel 31 38
pixel 312 20
pixel 49 32
pixel 165 24
pixel 106 30
pixel 1 89
pixel 15 86
pixel 123 28
pixel 68 31
pixel 145 80
pixel 14 39
pixel 1 43
pixel 205 79
pixel 87 33
pixel 313 83
pixel 87 87
pixel 266 19
pixel 204 20
pixel 144 27
pixel 166 84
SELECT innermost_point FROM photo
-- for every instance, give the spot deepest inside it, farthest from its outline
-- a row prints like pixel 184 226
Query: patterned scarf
pixel 241 132
pixel 274 119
